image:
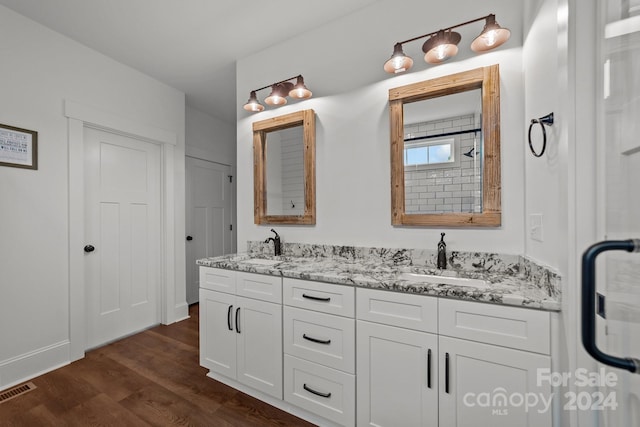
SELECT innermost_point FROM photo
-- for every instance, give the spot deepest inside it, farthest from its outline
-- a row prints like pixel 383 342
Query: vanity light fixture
pixel 443 44
pixel 279 93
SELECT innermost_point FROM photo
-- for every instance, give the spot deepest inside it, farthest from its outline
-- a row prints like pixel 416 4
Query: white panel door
pixel 259 337
pixel 217 333
pixel 122 223
pixel 397 377
pixel 208 217
pixel 482 385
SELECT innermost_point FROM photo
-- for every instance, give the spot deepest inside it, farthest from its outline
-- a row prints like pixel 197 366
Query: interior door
pixel 619 170
pixel 209 220
pixel 122 230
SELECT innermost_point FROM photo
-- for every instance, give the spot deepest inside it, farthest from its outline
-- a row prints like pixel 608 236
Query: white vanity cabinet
pixel 489 361
pixel 319 347
pixel 241 327
pixel 425 361
pixel 397 359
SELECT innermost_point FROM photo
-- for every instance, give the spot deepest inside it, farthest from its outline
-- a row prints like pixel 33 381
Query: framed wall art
pixel 18 147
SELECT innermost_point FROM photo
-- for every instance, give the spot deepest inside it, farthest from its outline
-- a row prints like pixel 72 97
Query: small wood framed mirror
pixel 445 151
pixel 284 161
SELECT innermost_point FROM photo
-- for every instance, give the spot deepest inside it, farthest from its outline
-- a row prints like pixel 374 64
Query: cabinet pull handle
pixel 429 368
pixel 446 373
pixel 315 339
pixel 326 299
pixel 317 393
pixel 229 318
pixel 237 321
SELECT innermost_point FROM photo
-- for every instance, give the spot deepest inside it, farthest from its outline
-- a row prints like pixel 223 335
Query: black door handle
pixel 189 238
pixel 312 339
pixel 229 318
pixel 237 321
pixel 317 393
pixel 446 373
pixel 429 368
pixel 89 248
pixel 311 297
pixel 589 302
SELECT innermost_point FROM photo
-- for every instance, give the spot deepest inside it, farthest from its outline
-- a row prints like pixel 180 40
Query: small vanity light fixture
pixel 279 93
pixel 443 44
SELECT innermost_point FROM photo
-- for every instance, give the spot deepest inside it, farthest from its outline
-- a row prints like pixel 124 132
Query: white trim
pixel 81 116
pixel 113 123
pixel 34 363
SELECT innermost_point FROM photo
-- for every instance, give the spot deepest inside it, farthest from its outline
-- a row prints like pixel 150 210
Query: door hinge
pixel 231 227
pixel 230 178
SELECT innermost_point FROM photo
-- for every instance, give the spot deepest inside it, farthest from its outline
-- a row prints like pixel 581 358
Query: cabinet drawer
pixel 323 297
pixel 321 338
pixel 512 327
pixel 218 279
pixel 259 286
pixel 321 390
pixel 398 309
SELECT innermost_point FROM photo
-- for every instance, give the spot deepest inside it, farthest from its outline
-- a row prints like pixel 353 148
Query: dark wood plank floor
pixel 149 379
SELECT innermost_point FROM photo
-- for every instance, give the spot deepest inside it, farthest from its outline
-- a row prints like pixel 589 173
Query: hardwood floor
pixel 149 379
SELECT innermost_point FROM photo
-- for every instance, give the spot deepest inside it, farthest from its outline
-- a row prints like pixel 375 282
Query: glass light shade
pixel 277 96
pixel 399 62
pixel 253 104
pixel 492 36
pixel 441 47
pixel 300 91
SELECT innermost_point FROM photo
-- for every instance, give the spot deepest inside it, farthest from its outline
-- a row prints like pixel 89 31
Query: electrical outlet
pixel 535 227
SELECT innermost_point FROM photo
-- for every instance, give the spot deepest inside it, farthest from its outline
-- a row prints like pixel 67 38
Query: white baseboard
pixel 181 312
pixel 30 365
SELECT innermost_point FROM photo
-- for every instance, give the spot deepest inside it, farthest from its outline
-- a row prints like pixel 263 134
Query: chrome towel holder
pixel 542 121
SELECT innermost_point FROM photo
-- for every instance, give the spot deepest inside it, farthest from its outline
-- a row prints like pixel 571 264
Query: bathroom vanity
pixel 369 336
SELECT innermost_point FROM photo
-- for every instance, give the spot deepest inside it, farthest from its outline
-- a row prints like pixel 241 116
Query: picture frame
pixel 18 147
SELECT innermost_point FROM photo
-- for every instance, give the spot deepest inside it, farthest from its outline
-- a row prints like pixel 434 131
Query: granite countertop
pixel 518 284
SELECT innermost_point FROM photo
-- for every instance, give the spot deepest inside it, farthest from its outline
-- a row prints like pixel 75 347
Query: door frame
pixel 79 117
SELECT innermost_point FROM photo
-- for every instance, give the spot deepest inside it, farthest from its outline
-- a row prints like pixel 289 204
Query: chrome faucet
pixel 277 246
pixel 442 253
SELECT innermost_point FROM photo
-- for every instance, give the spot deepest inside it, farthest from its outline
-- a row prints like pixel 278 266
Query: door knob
pixel 189 238
pixel 89 248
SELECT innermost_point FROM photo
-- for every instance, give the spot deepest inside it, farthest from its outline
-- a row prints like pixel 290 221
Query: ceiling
pixel 191 45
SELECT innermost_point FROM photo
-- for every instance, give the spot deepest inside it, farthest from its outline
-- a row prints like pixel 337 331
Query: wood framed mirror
pixel 445 170
pixel 284 161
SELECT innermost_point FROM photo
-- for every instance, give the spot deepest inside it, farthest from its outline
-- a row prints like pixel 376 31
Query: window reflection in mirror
pixel 445 151
pixel 442 143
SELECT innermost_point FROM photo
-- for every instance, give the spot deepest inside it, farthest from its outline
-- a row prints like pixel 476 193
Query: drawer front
pixel 218 279
pixel 323 297
pixel 259 286
pixel 519 328
pixel 321 390
pixel 322 338
pixel 410 311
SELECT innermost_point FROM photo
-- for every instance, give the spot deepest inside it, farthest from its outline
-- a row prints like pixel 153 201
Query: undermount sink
pixel 443 280
pixel 261 261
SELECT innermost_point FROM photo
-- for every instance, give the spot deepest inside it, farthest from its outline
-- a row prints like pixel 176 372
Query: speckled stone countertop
pixel 512 279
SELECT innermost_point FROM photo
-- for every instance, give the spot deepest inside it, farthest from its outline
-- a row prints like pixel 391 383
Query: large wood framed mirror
pixel 284 161
pixel 445 151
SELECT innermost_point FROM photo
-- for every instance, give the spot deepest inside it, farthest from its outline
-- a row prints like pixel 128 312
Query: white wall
pixel 344 60
pixel 40 69
pixel 210 138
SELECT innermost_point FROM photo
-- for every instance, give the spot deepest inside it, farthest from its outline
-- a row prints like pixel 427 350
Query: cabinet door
pixel 487 385
pixel 397 386
pixel 259 335
pixel 217 336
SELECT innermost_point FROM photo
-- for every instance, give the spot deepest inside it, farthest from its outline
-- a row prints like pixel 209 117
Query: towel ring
pixel 546 120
